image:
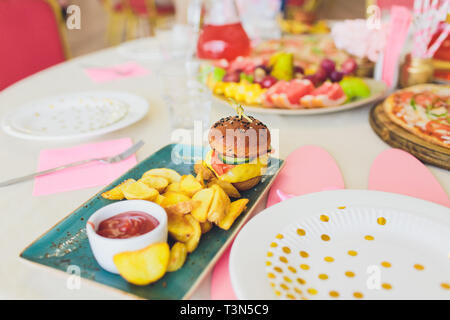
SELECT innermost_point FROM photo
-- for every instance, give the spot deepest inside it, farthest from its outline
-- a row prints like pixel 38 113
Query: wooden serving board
pixel 398 137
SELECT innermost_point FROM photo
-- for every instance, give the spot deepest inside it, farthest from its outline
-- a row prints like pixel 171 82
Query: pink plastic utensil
pixel 397 171
pixel 308 169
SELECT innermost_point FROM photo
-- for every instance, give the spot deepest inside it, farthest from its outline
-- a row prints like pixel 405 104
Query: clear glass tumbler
pixel 188 100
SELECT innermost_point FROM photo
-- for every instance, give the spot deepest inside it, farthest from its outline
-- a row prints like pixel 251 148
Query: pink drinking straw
pixel 398 32
pixel 438 15
pixel 418 33
pixel 427 16
pixel 438 42
pixel 432 24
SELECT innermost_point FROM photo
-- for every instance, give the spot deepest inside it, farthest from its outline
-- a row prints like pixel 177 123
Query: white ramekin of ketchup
pixel 125 226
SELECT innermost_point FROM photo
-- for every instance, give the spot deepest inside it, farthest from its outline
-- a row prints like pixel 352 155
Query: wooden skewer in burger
pixel 239 150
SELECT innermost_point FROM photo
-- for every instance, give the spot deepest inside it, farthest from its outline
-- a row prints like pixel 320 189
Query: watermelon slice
pixel 278 87
pixel 274 91
pixel 327 95
pixel 286 94
pixel 297 89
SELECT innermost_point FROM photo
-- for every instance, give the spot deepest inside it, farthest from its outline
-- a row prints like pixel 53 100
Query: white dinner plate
pixel 378 91
pixel 344 244
pixel 75 115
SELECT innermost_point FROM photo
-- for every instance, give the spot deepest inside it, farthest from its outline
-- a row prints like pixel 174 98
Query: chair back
pixel 30 38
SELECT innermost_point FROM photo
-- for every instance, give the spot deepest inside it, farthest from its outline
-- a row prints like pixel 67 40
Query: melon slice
pixel 327 95
pixel 288 94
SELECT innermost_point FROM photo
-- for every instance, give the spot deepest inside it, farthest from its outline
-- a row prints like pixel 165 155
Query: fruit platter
pixel 310 50
pixel 280 83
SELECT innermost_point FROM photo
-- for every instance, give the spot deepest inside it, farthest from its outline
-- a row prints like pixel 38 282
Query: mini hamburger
pixel 239 150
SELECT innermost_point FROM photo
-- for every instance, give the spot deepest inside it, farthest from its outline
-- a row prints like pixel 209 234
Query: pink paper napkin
pixel 126 70
pixel 93 174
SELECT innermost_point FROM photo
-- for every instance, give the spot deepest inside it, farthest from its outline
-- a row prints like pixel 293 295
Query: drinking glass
pixel 178 42
pixel 260 18
pixel 188 101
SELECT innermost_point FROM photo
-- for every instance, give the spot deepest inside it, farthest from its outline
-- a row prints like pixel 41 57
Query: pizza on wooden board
pixel 423 110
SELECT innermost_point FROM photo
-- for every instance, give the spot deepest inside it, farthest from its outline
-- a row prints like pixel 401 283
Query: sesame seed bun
pixel 240 138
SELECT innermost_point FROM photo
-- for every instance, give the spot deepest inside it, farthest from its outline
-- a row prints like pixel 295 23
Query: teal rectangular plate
pixel 65 247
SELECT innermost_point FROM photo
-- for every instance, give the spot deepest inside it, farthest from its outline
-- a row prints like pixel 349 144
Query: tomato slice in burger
pixel 218 166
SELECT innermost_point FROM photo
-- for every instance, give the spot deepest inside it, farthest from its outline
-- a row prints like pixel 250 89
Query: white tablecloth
pixel 347 136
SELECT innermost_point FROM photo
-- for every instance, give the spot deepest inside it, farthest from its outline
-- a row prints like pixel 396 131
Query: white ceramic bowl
pixel 104 248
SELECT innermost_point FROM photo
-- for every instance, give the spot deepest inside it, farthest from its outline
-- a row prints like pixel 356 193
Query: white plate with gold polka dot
pixel 344 244
pixel 75 115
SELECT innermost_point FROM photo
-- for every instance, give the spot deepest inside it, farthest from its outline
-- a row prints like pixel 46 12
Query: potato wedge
pixel 139 191
pixel 179 227
pixel 116 193
pixel 174 187
pixel 199 178
pixel 229 189
pixel 235 209
pixel 172 198
pixel 219 205
pixel 206 226
pixel 205 197
pixel 178 255
pixel 184 207
pixel 189 185
pixel 159 199
pixel 169 174
pixel 158 183
pixel 207 174
pixel 143 266
pixel 194 239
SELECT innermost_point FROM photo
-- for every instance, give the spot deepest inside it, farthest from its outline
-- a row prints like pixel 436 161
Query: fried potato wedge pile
pixel 194 205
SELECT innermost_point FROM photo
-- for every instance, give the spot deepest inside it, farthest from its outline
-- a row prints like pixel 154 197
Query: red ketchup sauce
pixel 127 225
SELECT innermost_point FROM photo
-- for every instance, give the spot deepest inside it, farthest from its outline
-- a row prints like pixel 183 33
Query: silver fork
pixel 116 158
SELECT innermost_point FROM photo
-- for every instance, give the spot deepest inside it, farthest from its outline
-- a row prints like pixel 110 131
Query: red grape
pixel 298 69
pixel 328 65
pixel 349 66
pixel 321 75
pixel 267 82
pixel 312 78
pixel 336 76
